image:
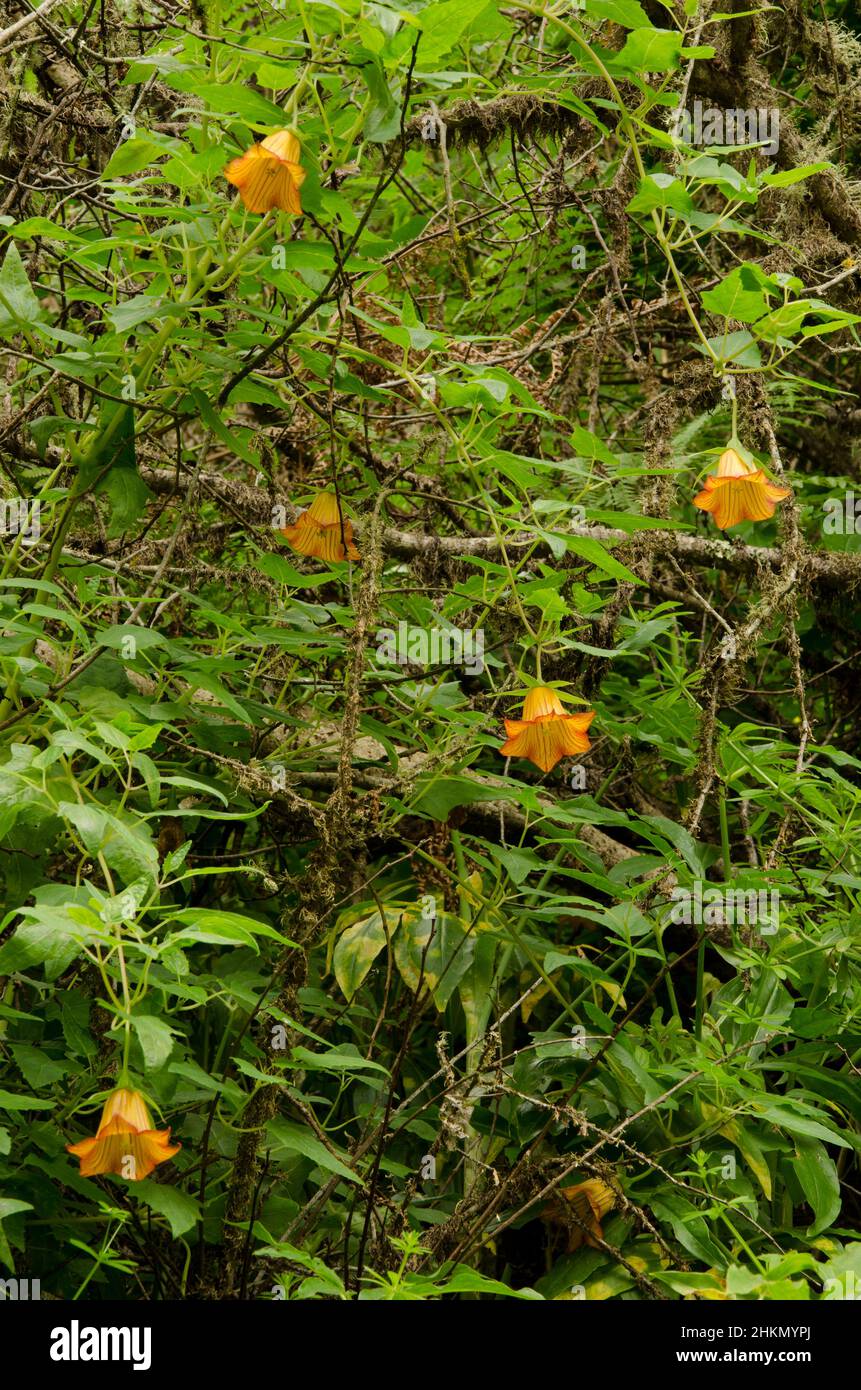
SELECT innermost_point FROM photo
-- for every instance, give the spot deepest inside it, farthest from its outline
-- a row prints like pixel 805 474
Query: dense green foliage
pixel 391 990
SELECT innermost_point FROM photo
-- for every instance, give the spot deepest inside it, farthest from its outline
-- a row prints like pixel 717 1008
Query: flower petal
pixel 126 1143
pixel 284 145
pixel 126 1105
pixel 265 180
pixel 308 537
pixel 131 1155
pixel 540 702
pixel 732 499
pixel 777 494
pixel 732 465
pixel 573 733
pixel 324 509
pixel 542 743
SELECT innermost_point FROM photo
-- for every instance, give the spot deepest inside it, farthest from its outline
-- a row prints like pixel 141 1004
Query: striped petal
pixel 732 500
pixel 120 1149
pixel 545 741
pixel 308 537
pixel 126 1142
pixel 284 145
pixel 265 179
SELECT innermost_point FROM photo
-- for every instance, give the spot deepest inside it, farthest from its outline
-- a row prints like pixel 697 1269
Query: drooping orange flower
pixel 323 531
pixel 546 732
pixel 126 1142
pixel 269 175
pixel 739 492
pixel 587 1202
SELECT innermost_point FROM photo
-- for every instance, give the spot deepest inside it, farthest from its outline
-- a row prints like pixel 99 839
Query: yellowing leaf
pixel 356 951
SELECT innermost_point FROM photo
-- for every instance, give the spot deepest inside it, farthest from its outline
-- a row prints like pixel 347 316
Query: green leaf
pixel 180 1208
pixel 51 940
pixel 739 295
pixel 299 1139
pixel 661 191
pixel 597 554
pixel 383 118
pixel 8 1101
pixel 19 307
pixel 443 25
pixel 277 567
pixel 37 1067
pixel 689 1228
pixel 739 347
pixel 518 863
pixel 592 447
pixel 204 924
pixel 750 1150
pixel 33 227
pixel 235 99
pixel 429 954
pixel 437 797
pixel 628 13
pixel 111 468
pixel 10 1205
pixel 783 1114
pixel 124 841
pixel 132 156
pixel 465 1280
pixel 343 1059
pixel 140 308
pixel 155 1038
pixel 817 1176
pixel 475 984
pixel 213 421
pixel 680 838
pixel 143 637
pixel 790 176
pixel 356 951
pixel 655 50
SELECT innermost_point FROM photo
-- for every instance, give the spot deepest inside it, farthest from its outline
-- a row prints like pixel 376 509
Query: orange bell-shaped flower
pixel 269 175
pixel 738 492
pixel 323 531
pixel 546 732
pixel 588 1202
pixel 126 1142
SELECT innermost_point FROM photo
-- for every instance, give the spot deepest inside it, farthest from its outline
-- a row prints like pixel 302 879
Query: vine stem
pixel 200 278
pixel 701 949
pixel 626 125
